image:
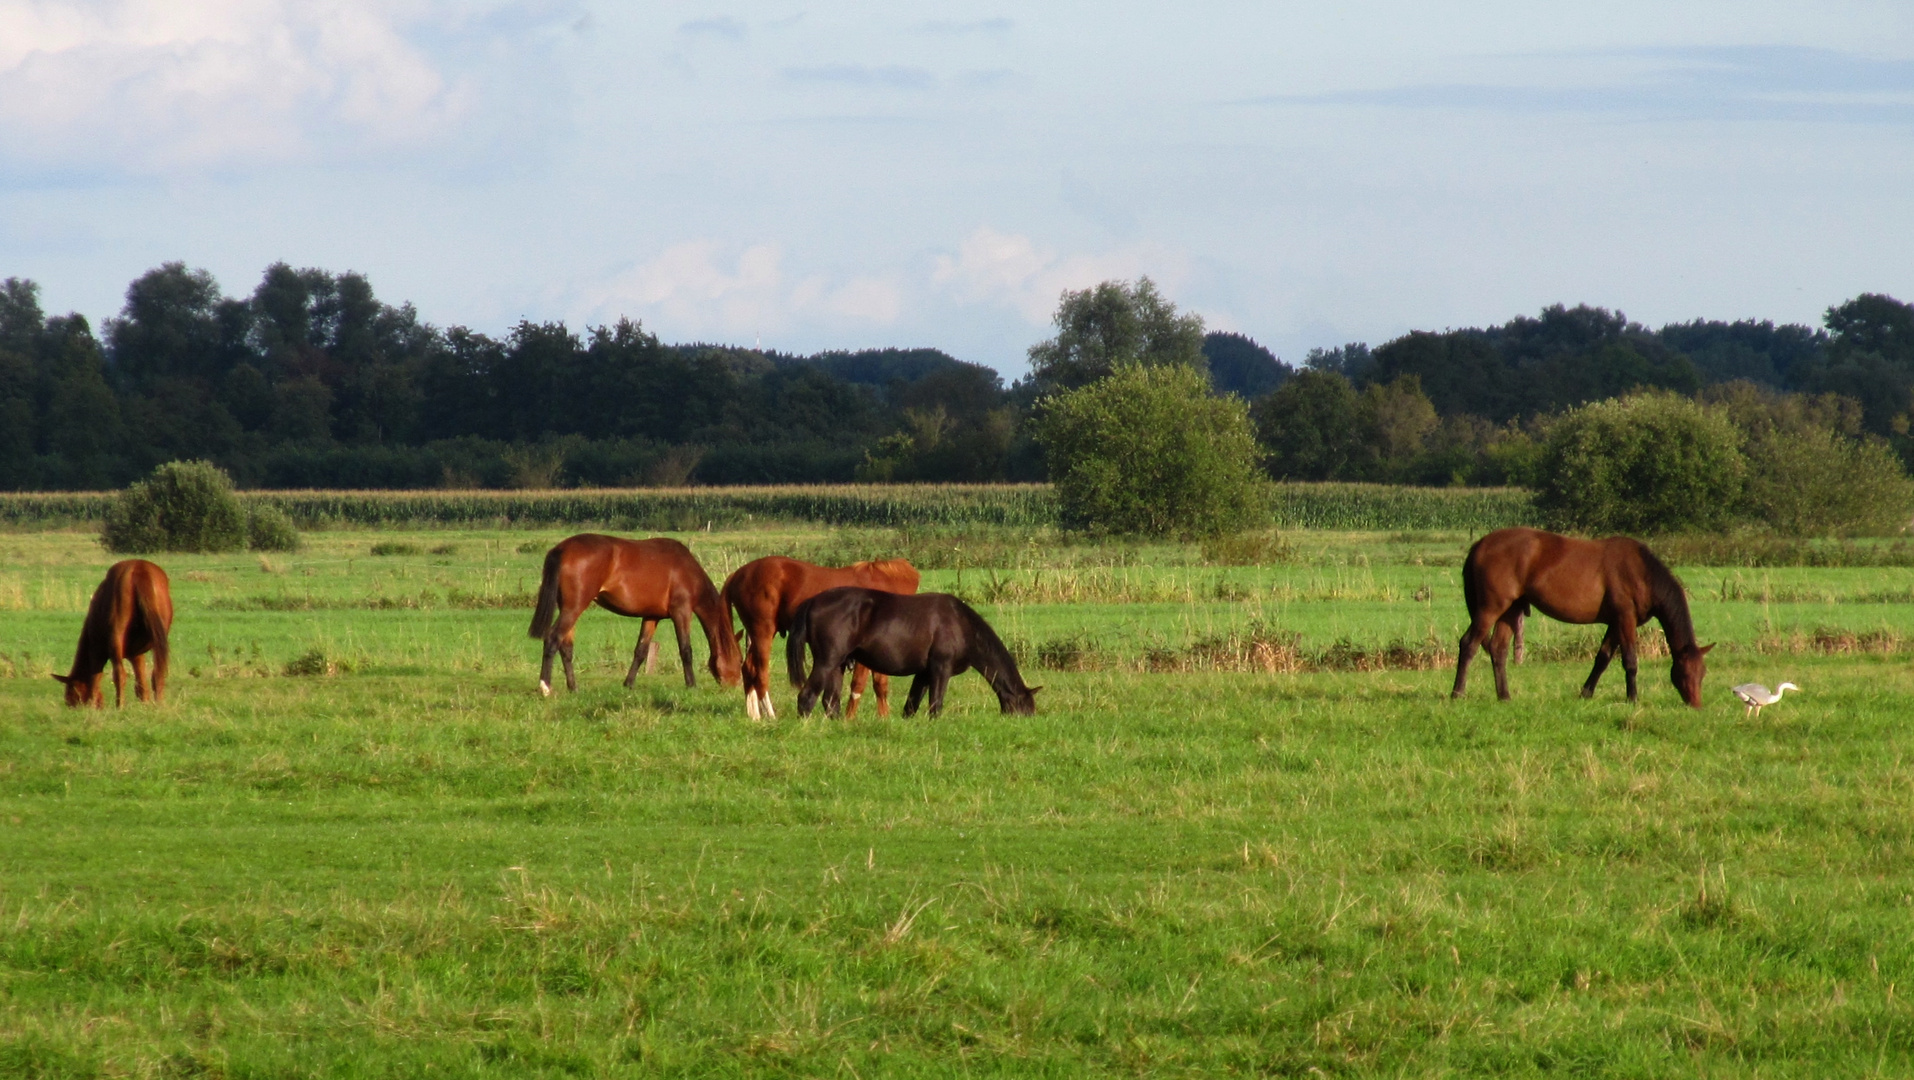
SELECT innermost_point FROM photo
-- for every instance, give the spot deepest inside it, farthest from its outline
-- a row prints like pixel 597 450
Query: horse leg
pixel 1472 639
pixel 1499 658
pixel 860 678
pixel 882 684
pixel 1521 617
pixel 1627 627
pixel 681 622
pixel 918 685
pixel 119 679
pixel 646 653
pixel 939 682
pixel 1603 655
pixel 759 636
pixel 139 676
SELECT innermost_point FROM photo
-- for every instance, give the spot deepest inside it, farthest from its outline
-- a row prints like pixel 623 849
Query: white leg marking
pixel 544 688
pixel 769 712
pixel 751 704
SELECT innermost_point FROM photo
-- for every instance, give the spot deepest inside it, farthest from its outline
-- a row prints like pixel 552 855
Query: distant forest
pixel 312 381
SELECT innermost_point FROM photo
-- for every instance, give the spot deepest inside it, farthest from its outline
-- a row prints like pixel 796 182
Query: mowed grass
pixel 419 867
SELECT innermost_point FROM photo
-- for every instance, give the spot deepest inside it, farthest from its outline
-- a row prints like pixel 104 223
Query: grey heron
pixel 1755 695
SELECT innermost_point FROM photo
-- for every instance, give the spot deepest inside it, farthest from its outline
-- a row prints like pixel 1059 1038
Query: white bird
pixel 1755 695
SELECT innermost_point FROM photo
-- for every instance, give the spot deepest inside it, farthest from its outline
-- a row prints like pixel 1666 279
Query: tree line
pixel 312 381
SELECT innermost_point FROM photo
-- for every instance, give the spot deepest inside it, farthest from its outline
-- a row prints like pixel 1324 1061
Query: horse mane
pixel 1671 601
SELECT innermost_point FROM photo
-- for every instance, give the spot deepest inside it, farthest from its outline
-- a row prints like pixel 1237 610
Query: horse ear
pixel 63 680
pixel 1703 651
pixel 1034 689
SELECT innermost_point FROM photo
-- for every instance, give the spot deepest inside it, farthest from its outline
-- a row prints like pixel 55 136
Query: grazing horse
pixel 1617 581
pixel 639 579
pixel 131 613
pixel 766 593
pixel 932 636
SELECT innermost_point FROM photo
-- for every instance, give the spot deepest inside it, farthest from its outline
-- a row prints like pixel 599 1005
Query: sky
pixel 852 175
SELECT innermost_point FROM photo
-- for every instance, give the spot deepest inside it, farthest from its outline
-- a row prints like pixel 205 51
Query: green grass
pixel 415 866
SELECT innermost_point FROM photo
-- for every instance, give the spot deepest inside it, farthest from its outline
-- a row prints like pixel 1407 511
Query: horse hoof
pixel 544 688
pixel 750 705
pixel 770 713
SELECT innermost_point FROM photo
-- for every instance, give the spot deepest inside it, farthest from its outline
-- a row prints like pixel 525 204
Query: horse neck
pixel 1671 609
pixel 991 658
pixel 89 658
pixel 715 616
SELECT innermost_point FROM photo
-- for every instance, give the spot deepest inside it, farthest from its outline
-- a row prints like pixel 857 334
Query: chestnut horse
pixel 639 579
pixel 131 613
pixel 1617 581
pixel 766 593
pixel 932 636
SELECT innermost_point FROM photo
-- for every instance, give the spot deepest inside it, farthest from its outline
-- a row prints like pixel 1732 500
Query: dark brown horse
pixel 1617 581
pixel 932 636
pixel 131 614
pixel 639 579
pixel 766 593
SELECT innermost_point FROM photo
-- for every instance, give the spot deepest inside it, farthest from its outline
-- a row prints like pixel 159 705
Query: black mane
pixel 996 652
pixel 1671 602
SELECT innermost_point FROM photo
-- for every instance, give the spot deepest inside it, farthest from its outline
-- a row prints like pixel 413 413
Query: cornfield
pixel 1294 506
pixel 1378 507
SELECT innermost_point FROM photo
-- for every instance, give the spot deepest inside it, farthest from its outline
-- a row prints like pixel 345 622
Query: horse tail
pixel 548 595
pixel 1471 582
pixel 794 644
pixel 156 628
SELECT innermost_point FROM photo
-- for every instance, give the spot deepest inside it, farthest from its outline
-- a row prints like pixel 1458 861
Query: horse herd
pixel 869 617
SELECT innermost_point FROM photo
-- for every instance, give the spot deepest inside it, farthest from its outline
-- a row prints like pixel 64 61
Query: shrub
pixel 269 529
pixel 1654 462
pixel 183 506
pixel 1148 450
pixel 1815 482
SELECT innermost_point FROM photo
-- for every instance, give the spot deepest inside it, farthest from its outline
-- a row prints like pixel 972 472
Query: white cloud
pixel 688 290
pixel 1009 268
pixel 157 86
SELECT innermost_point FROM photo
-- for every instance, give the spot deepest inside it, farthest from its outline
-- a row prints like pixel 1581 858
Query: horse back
pixel 632 577
pixel 780 585
pixel 1567 578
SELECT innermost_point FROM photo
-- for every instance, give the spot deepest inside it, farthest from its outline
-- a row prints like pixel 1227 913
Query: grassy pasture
pixel 415 866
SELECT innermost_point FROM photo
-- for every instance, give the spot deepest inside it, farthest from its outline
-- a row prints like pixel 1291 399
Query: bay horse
pixel 931 636
pixel 639 579
pixel 131 614
pixel 1616 581
pixel 766 594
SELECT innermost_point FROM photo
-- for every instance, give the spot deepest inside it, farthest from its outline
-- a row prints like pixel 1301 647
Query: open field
pixel 1192 862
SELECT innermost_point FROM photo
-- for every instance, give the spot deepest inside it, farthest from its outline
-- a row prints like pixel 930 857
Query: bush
pixel 1654 462
pixel 1148 450
pixel 183 506
pixel 1815 482
pixel 269 529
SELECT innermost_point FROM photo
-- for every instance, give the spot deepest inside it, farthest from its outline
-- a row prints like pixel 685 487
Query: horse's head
pixel 1687 670
pixel 82 691
pixel 727 659
pixel 1021 700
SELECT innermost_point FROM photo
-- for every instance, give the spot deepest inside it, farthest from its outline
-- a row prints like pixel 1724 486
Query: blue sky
pixel 850 175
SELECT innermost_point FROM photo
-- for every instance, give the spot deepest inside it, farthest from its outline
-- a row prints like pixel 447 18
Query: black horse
pixel 930 635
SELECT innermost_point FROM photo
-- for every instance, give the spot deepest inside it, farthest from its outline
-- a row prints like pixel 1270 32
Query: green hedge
pixel 1294 506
